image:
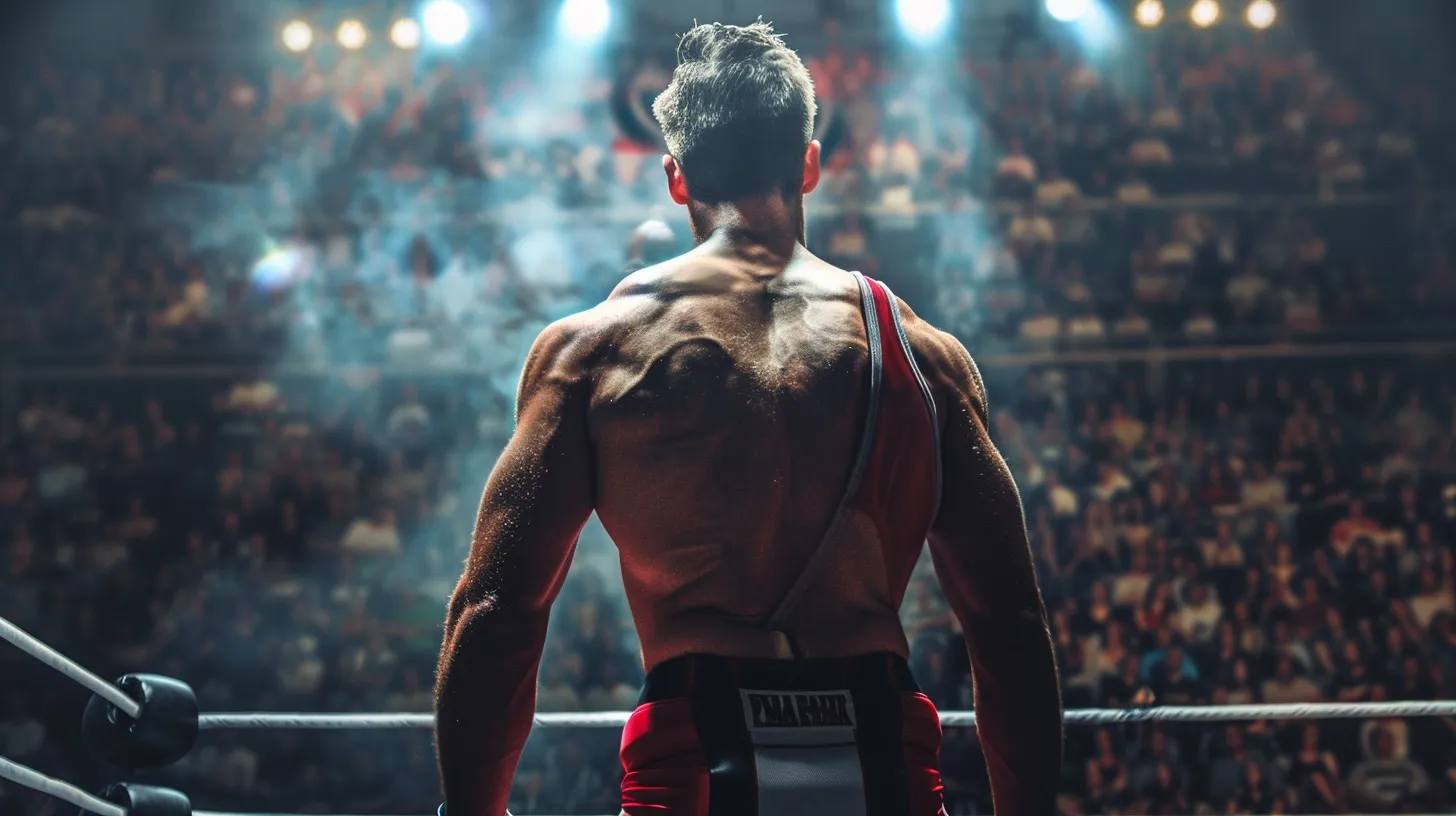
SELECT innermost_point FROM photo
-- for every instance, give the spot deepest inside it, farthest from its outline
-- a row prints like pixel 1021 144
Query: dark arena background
pixel 270 270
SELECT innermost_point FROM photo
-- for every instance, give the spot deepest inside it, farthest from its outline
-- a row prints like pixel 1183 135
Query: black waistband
pixel 679 676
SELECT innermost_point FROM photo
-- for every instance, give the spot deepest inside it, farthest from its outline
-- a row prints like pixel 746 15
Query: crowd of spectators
pixel 367 206
pixel 285 538
pixel 1243 536
pixel 281 547
pixel 1237 533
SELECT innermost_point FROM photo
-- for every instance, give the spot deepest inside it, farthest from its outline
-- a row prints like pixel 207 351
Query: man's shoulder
pixel 645 281
pixel 701 273
pixel 578 337
pixel 691 272
pixel 578 342
pixel 943 359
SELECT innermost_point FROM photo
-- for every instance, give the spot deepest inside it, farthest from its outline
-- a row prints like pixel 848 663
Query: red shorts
pixel 717 736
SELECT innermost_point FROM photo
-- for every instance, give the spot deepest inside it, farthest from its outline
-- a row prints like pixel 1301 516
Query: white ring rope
pixel 37 781
pixel 949 719
pixel 262 719
pixel 22 640
pixel 216 813
pixel 616 719
pixel 71 794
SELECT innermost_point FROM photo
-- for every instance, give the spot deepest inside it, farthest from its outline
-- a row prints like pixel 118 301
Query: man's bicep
pixel 979 542
pixel 539 494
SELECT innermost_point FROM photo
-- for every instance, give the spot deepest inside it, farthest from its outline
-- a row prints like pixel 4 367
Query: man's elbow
pixel 1014 604
pixel 1010 632
pixel 476 604
pixel 470 601
pixel 1020 619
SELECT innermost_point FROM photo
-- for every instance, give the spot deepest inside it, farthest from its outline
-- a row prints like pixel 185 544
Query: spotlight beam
pixel 352 34
pixel 445 22
pixel 405 33
pixel 297 36
pixel 585 21
pixel 1149 13
pixel 922 19
pixel 1068 11
pixel 1261 13
pixel 1205 13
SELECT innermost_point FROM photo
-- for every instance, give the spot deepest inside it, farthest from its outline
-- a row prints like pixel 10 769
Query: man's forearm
pixel 1018 712
pixel 484 702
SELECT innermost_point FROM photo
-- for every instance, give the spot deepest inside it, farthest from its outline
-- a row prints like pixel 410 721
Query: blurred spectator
pixel 1384 781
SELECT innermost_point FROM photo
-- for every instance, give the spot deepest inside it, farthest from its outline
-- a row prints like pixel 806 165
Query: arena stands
pixel 260 346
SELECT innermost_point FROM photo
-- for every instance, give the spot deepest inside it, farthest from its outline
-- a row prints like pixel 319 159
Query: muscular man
pixel 770 441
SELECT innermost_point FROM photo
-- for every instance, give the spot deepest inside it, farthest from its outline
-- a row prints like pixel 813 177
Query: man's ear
pixel 812 168
pixel 677 186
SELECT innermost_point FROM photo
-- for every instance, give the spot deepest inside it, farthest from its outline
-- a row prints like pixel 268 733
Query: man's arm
pixel 983 560
pixel 537 499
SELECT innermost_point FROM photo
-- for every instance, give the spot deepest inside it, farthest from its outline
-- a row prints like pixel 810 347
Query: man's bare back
pixel 726 417
pixel 712 411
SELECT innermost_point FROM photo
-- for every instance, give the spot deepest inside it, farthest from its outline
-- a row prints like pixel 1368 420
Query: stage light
pixel 405 33
pixel 585 20
pixel 1067 11
pixel 1149 13
pixel 352 34
pixel 297 36
pixel 446 22
pixel 279 267
pixel 922 19
pixel 1261 13
pixel 1205 13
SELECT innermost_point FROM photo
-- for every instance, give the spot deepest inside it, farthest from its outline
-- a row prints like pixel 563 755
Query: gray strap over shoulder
pixel 777 618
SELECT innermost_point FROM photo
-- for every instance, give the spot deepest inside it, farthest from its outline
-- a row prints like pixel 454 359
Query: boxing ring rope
pixel 135 712
pixel 70 794
pixel 211 813
pixel 948 719
pixel 23 641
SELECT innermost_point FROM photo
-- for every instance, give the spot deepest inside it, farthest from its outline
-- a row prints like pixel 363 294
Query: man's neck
pixel 750 226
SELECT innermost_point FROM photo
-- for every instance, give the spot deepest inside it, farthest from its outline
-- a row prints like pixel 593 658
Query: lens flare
pixel 352 34
pixel 1067 11
pixel 405 33
pixel 1149 13
pixel 922 19
pixel 1261 13
pixel 446 22
pixel 1205 13
pixel 585 20
pixel 297 36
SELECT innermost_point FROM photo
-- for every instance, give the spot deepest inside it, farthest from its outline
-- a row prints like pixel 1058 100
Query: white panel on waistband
pixel 804 751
